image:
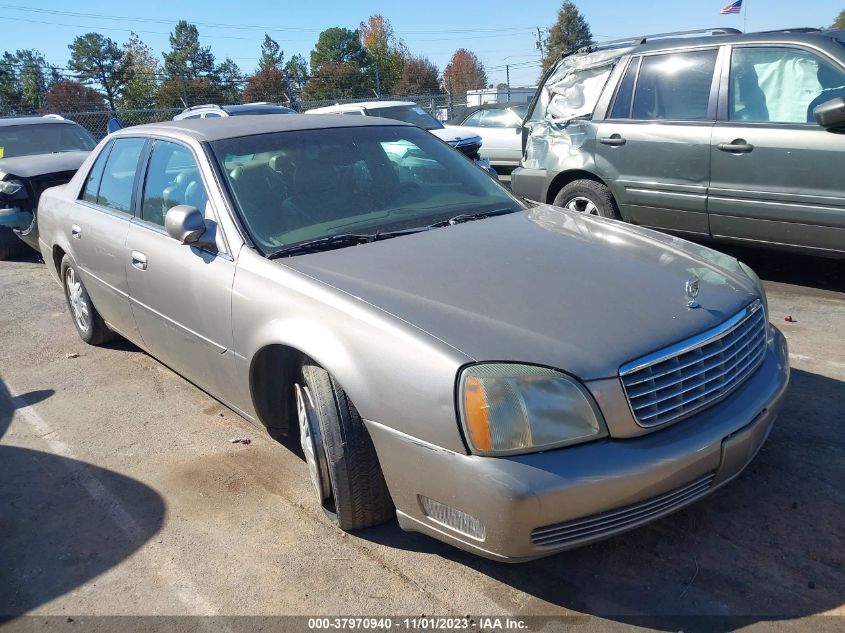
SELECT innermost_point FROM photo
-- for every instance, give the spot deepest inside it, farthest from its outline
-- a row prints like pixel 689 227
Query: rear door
pixel 100 226
pixel 653 147
pixel 181 296
pixel 776 175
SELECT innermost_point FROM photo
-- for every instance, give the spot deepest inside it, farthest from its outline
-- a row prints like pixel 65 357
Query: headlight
pixel 759 285
pixel 10 187
pixel 507 408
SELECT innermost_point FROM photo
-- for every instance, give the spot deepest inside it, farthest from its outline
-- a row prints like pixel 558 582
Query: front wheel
pixel 590 197
pixel 89 324
pixel 342 461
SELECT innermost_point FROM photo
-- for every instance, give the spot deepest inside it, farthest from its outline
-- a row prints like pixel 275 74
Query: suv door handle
pixel 139 260
pixel 738 146
pixel 76 231
pixel 614 140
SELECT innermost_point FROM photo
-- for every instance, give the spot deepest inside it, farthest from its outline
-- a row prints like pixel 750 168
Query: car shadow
pixel 789 267
pixel 63 522
pixel 766 547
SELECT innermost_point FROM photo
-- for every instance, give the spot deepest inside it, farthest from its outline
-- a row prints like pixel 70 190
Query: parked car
pixel 707 136
pixel 500 127
pixel 468 144
pixel 513 379
pixel 213 111
pixel 36 152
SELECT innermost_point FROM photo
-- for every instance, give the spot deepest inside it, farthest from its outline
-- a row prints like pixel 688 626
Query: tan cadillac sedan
pixel 511 378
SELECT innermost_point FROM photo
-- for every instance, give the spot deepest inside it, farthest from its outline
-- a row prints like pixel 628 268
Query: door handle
pixel 76 231
pixel 738 146
pixel 614 140
pixel 139 260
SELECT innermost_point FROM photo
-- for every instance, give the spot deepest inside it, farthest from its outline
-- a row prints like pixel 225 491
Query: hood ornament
pixel 691 288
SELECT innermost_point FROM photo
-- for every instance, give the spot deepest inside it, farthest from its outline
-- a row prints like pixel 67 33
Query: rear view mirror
pixel 185 224
pixel 831 114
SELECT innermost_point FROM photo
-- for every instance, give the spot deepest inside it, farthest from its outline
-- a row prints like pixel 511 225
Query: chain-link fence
pixel 440 106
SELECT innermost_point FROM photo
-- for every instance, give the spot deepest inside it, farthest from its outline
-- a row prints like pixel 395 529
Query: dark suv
pixel 707 133
pixel 35 153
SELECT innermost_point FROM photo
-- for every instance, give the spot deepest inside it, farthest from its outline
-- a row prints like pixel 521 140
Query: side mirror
pixel 113 125
pixel 518 130
pixel 831 114
pixel 185 224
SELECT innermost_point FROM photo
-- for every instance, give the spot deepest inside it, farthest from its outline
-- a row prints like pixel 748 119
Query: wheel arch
pixel 273 372
pixel 568 176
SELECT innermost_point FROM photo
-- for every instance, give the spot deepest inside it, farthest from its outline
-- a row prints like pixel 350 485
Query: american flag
pixel 733 7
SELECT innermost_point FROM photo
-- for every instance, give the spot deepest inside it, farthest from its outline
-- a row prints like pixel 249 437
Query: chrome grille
pixel 682 379
pixel 614 521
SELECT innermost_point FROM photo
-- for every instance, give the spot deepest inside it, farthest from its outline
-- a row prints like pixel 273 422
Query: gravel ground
pixel 121 494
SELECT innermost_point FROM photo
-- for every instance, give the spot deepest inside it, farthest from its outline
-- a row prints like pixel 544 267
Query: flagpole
pixel 745 17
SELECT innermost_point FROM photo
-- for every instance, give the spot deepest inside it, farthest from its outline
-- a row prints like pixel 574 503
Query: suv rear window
pixel 673 86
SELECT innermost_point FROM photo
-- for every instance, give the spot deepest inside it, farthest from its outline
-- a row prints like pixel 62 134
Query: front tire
pixel 341 458
pixel 89 324
pixel 590 197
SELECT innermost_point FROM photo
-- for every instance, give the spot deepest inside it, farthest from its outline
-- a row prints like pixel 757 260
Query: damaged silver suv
pixel 704 133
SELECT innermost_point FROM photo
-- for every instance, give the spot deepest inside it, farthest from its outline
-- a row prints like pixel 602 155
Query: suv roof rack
pixel 800 29
pixel 642 39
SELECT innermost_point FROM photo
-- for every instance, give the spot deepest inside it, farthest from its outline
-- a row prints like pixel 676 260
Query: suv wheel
pixel 588 196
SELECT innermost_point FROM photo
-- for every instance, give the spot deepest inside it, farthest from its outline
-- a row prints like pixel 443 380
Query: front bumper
pixel 535 505
pixel 532 184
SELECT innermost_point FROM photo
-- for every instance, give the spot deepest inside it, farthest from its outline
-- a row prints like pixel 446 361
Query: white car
pixel 500 127
pixel 468 143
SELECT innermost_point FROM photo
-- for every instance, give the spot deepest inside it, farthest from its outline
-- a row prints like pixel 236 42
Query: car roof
pixel 794 35
pixel 33 120
pixel 361 105
pixel 252 107
pixel 231 127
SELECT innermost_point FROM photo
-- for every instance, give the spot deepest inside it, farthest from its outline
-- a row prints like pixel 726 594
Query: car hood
pixel 544 286
pixel 454 136
pixel 40 164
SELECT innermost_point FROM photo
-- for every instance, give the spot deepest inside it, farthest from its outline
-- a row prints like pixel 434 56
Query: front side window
pixel 291 187
pixel 500 118
pixel 43 138
pixel 675 86
pixel 172 179
pixel 119 174
pixel 780 85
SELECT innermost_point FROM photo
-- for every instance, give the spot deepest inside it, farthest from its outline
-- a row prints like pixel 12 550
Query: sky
pixel 500 33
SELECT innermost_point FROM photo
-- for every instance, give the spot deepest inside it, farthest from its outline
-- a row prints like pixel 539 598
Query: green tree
pixel 333 80
pixel 142 73
pixel 100 61
pixel 297 74
pixel 337 45
pixel 839 23
pixel 570 32
pixel 385 55
pixel 187 58
pixel 25 78
pixel 228 78
pixel 272 56
pixel 175 93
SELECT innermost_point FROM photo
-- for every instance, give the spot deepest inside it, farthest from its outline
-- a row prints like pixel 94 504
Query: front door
pixel 776 174
pixel 101 224
pixel 181 295
pixel 653 148
pixel 500 130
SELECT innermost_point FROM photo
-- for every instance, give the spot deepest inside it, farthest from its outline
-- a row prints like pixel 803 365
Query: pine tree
pixel 568 34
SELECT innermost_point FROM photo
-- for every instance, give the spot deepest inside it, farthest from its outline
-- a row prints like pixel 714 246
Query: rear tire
pixel 10 244
pixel 590 197
pixel 89 324
pixel 355 495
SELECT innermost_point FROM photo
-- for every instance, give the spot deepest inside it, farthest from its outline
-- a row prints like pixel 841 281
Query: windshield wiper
pixel 322 244
pixel 469 217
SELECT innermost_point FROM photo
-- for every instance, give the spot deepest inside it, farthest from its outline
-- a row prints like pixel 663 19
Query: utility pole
pixel 540 43
pixel 378 82
pixel 508 79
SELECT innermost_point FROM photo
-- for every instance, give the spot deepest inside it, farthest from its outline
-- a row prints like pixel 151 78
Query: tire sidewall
pixel 595 192
pixel 86 335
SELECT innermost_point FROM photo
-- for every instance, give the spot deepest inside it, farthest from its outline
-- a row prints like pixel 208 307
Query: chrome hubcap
pixel 582 205
pixel 312 443
pixel 76 298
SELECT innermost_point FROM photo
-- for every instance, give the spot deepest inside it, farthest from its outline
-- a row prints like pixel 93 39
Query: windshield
pixel 291 187
pixel 413 114
pixel 46 138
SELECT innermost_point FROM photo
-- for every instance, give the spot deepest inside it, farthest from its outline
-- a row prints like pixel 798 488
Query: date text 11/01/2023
pixel 430 623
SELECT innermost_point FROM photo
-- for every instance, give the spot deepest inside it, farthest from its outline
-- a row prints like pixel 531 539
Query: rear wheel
pixel 590 197
pixel 10 244
pixel 89 324
pixel 342 461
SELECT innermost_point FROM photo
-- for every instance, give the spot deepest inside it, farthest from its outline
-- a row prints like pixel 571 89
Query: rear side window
pixel 624 96
pixel 780 85
pixel 92 183
pixel 119 174
pixel 674 86
pixel 172 178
